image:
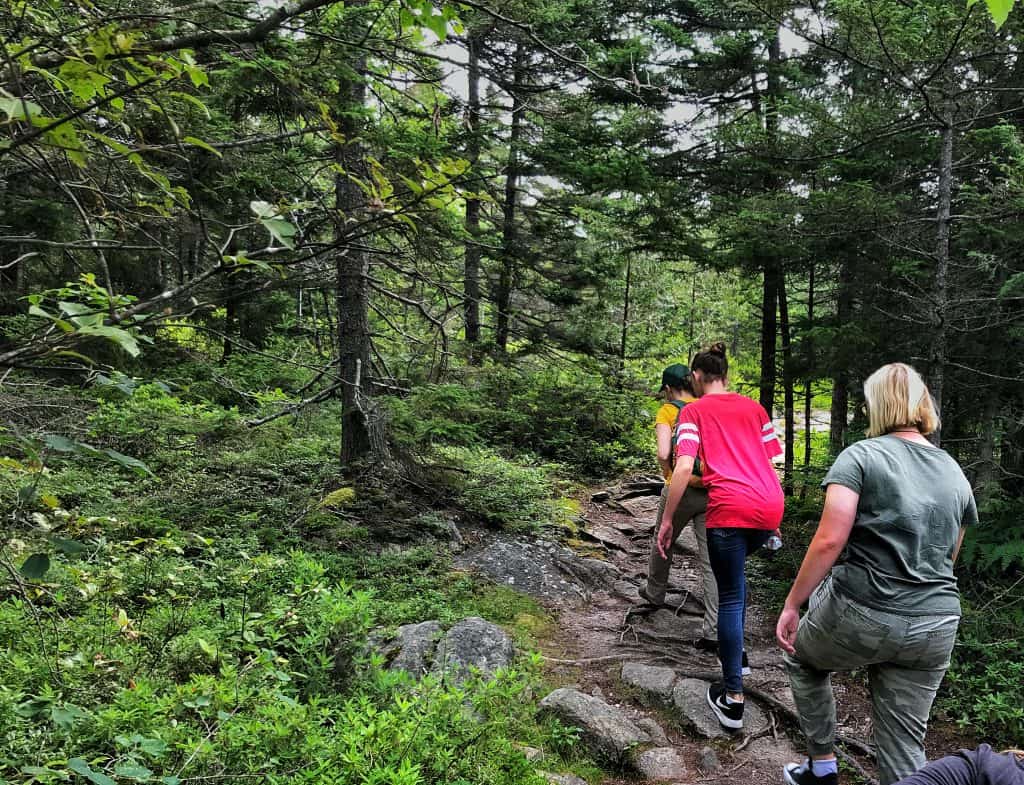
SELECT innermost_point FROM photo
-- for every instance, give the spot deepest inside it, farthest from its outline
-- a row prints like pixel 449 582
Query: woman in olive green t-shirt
pixel 881 570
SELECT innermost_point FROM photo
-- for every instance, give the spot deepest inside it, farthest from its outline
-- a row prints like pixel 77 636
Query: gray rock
pixel 473 644
pixel 597 692
pixel 689 697
pixel 654 730
pixel 661 763
pixel 600 496
pixel 562 779
pixel 708 761
pixel 654 682
pixel 532 754
pixel 412 647
pixel 606 730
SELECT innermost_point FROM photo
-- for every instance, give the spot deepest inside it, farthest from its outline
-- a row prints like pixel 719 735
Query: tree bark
pixel 771 273
pixel 510 239
pixel 841 376
pixel 940 293
pixel 361 432
pixel 788 382
pixel 808 391
pixel 471 284
pixel 625 322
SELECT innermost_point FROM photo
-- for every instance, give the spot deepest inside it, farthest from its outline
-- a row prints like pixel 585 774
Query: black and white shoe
pixel 745 667
pixel 802 774
pixel 729 713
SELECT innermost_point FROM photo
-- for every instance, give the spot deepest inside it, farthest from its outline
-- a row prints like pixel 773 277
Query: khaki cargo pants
pixel 692 507
pixel 905 656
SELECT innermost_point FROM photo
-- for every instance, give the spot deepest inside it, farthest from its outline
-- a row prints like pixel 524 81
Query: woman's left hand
pixel 785 630
pixel 665 538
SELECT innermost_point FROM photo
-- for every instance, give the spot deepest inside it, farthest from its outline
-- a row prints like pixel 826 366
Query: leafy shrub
pixel 576 421
pixel 510 494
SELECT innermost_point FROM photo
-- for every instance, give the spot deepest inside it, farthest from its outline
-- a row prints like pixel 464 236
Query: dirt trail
pixel 608 630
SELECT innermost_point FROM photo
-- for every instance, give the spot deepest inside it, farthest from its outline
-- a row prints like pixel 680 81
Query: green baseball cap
pixel 675 376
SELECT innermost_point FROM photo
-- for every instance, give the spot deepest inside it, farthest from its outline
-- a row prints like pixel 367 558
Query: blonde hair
pixel 897 397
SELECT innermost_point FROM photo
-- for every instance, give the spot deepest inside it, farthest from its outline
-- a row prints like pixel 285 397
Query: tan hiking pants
pixel 691 507
pixel 905 656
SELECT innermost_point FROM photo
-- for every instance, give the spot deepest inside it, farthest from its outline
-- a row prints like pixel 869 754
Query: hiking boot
pixel 642 591
pixel 729 713
pixel 744 667
pixel 801 774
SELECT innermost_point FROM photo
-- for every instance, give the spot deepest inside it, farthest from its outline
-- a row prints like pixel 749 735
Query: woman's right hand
pixel 785 630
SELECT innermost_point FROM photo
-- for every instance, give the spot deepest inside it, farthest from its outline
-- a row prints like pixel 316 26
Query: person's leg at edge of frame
pixel 901 701
pixel 816 708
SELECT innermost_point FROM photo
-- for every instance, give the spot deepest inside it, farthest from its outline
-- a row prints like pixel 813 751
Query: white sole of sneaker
pixel 787 776
pixel 725 722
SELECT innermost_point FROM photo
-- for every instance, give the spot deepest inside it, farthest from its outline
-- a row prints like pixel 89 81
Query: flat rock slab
pixel 654 730
pixel 689 698
pixel 655 683
pixel 606 730
pixel 661 763
pixel 540 568
pixel 474 645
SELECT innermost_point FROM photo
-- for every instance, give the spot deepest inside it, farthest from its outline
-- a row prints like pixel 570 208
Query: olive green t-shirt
pixel 913 500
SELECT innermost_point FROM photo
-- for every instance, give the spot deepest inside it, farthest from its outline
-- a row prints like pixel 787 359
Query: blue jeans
pixel 728 549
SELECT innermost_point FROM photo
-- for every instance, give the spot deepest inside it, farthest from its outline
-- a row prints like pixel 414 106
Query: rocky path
pixel 633 682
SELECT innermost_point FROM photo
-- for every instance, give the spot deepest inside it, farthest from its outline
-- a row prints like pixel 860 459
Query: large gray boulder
pixel 412 648
pixel 473 644
pixel 689 699
pixel 654 683
pixel 606 730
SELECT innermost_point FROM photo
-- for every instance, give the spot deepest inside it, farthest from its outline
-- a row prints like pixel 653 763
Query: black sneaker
pixel 744 666
pixel 801 774
pixel 730 715
pixel 642 591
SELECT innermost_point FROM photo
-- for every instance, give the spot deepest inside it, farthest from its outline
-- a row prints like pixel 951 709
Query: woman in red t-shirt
pixel 735 441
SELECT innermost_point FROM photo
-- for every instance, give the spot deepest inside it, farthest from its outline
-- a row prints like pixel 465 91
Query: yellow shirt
pixel 667 415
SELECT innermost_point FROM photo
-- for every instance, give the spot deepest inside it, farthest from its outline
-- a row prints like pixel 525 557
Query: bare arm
pixel 833 532
pixel 676 489
pixel 664 435
pixel 959 543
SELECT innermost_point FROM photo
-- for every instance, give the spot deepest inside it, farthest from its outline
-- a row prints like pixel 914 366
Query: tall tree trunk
pixel 841 375
pixel 788 382
pixel 808 392
pixel 471 283
pixel 625 322
pixel 361 432
pixel 510 239
pixel 772 275
pixel 940 294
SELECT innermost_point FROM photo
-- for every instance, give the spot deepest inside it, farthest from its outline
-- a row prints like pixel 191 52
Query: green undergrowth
pixel 186 598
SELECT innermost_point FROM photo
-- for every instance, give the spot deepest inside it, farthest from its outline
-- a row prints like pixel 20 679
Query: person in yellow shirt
pixel 677 388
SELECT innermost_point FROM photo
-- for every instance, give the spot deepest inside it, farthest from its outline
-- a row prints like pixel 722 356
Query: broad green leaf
pixel 204 145
pixel 64 717
pixel 69 547
pixel 127 461
pixel 1000 10
pixel 280 229
pixel 122 338
pixel 60 443
pixel 35 566
pixel 132 771
pixel 79 766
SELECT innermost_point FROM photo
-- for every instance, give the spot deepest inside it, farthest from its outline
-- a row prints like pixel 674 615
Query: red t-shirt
pixel 735 442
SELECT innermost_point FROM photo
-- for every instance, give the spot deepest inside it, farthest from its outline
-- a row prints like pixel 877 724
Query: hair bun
pixel 717 348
